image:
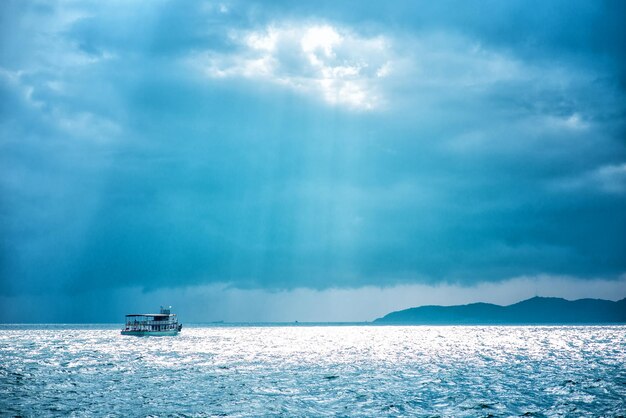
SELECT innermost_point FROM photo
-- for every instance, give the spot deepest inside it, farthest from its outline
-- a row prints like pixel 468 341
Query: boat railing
pixel 151 322
pixel 147 327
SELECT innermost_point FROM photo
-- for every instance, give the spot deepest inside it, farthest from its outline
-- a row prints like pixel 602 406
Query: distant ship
pixel 161 324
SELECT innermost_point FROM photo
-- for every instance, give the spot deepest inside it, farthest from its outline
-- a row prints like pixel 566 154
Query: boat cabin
pixel 161 322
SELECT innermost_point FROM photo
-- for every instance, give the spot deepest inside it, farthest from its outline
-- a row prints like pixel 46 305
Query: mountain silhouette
pixel 537 310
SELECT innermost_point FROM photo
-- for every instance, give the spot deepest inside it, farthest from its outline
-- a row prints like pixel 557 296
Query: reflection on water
pixel 304 371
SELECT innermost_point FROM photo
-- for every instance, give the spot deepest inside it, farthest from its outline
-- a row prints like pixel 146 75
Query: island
pixel 537 310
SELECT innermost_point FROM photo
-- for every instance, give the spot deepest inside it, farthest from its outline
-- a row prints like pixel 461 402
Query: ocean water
pixel 315 371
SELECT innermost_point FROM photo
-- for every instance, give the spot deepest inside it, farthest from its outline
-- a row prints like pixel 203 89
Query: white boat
pixel 161 324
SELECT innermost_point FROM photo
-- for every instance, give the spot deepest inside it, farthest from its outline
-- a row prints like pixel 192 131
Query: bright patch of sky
pixel 314 59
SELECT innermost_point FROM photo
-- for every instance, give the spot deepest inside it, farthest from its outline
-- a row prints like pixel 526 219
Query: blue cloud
pixel 160 145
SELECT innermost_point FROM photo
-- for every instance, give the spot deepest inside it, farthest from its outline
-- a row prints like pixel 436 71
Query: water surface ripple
pixel 314 371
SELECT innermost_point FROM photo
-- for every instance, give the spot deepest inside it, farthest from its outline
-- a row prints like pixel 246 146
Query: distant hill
pixel 537 310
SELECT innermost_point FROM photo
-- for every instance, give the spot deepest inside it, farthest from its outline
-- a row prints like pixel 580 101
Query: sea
pixel 309 370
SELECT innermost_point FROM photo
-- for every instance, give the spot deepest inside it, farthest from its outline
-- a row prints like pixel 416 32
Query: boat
pixel 164 323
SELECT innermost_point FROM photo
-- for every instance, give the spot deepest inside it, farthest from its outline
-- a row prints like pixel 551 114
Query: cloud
pixel 366 72
pixel 610 179
pixel 308 146
pixel 312 58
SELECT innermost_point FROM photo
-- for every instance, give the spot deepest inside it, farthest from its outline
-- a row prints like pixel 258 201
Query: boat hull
pixel 151 333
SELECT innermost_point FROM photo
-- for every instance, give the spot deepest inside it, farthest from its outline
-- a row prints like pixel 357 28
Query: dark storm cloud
pixel 169 144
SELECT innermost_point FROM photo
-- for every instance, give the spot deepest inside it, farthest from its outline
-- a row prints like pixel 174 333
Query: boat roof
pixel 149 314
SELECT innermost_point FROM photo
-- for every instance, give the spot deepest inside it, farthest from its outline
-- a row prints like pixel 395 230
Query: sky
pixel 311 161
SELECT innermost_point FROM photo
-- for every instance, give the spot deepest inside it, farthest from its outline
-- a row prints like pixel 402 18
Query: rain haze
pixel 311 161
